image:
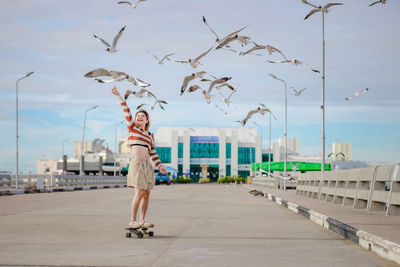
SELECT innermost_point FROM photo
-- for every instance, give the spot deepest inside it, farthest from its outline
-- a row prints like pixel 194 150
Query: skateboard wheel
pixel 140 235
pixel 128 235
pixel 151 233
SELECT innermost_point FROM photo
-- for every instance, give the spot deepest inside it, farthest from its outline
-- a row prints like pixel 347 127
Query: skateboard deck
pixel 139 232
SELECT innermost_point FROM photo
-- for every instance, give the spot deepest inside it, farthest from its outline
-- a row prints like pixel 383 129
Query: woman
pixel 140 174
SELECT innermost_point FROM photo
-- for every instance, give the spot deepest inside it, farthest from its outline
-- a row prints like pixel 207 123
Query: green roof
pixel 303 166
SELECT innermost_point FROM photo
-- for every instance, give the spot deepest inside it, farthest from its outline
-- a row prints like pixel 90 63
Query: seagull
pixel 159 102
pixel 103 72
pixel 294 167
pixel 264 106
pixel 226 85
pixel 207 96
pixel 297 93
pixel 194 87
pixel 259 110
pixel 226 99
pixel 377 2
pixel 239 53
pixel 205 22
pixel 337 154
pixel 161 61
pixel 322 9
pixel 137 81
pixel 294 62
pixel 357 94
pixel 268 47
pixel 194 62
pixel 221 109
pixel 243 40
pixel 111 48
pixel 217 81
pixel 218 40
pixel 129 3
pixel 140 93
pixel 189 78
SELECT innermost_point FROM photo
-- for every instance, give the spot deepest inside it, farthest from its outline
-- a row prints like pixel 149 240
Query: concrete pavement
pixel 196 225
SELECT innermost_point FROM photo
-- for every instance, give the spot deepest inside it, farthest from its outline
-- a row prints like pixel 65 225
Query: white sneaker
pixel 135 224
pixel 147 225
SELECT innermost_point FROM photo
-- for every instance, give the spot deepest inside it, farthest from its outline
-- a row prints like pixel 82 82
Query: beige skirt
pixel 140 173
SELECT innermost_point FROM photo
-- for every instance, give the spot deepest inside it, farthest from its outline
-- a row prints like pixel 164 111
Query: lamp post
pixel 323 10
pixel 259 125
pixel 65 140
pixel 115 146
pixel 81 165
pixel 285 153
pixel 16 93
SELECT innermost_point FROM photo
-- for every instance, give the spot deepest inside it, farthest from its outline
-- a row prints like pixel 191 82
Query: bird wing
pixel 101 40
pixel 374 3
pixel 205 22
pixel 156 57
pixel 125 2
pixel 193 88
pixel 112 80
pixel 127 93
pixel 227 85
pixel 202 55
pixel 294 89
pixel 332 4
pixel 271 49
pixel 225 41
pixel 235 32
pixel 166 56
pixel 312 12
pixel 97 73
pixel 116 38
pixel 185 82
pixel 302 90
pixel 255 47
pixel 181 61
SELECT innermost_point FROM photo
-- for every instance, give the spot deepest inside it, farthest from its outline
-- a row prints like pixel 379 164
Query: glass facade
pixel 244 155
pixel 265 157
pixel 164 153
pixel 228 170
pixel 180 150
pixel 228 150
pixel 204 150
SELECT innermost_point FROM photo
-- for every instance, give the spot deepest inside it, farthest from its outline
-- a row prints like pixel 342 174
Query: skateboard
pixel 139 232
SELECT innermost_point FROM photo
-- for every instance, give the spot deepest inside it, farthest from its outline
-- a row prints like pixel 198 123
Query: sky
pixel 55 40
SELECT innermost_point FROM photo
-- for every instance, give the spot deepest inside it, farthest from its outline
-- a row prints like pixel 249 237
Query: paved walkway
pixel 196 225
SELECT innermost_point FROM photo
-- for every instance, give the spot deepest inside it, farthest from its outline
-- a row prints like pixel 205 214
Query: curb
pixel 384 248
pixel 8 192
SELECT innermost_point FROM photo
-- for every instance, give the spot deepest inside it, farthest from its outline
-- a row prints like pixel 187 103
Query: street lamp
pixel 285 154
pixel 81 171
pixel 16 93
pixel 65 140
pixel 323 10
pixel 259 125
pixel 115 145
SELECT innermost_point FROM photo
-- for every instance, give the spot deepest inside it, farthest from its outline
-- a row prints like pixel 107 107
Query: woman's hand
pixel 115 91
pixel 163 170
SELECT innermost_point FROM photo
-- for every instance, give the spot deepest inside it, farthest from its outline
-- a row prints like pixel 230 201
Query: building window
pixel 244 156
pixel 164 153
pixel 228 151
pixel 228 170
pixel 180 150
pixel 265 157
pixel 204 150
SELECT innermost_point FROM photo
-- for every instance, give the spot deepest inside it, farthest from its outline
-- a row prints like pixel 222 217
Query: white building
pixel 341 151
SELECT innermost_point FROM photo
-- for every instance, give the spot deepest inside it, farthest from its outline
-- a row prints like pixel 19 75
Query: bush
pixel 182 180
pixel 204 180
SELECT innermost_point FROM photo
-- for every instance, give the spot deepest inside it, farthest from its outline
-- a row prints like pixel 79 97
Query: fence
pixel 373 188
pixel 61 181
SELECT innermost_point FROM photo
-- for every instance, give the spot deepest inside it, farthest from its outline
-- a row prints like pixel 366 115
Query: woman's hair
pixel 146 127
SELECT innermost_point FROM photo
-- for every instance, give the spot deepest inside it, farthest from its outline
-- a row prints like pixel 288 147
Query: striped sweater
pixel 139 137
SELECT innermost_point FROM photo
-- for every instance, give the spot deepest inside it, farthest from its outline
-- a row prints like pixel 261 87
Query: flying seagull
pixel 140 93
pixel 259 110
pixel 137 81
pixel 357 94
pixel 378 2
pixel 239 53
pixel 111 48
pixel 268 47
pixel 297 93
pixel 189 78
pixel 294 62
pixel 195 62
pixel 166 57
pixel 218 40
pixel 159 102
pixel 217 81
pixel 129 3
pixel 103 72
pixel 321 9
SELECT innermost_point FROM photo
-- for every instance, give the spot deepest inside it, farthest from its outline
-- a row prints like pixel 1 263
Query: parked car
pixel 162 178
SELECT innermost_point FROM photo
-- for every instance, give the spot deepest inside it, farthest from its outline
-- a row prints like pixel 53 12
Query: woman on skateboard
pixel 140 174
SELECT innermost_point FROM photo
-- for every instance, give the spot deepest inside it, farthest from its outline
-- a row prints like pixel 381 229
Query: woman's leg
pixel 144 204
pixel 135 202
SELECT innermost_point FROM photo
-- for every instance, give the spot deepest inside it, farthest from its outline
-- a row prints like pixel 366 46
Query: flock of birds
pixel 194 81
